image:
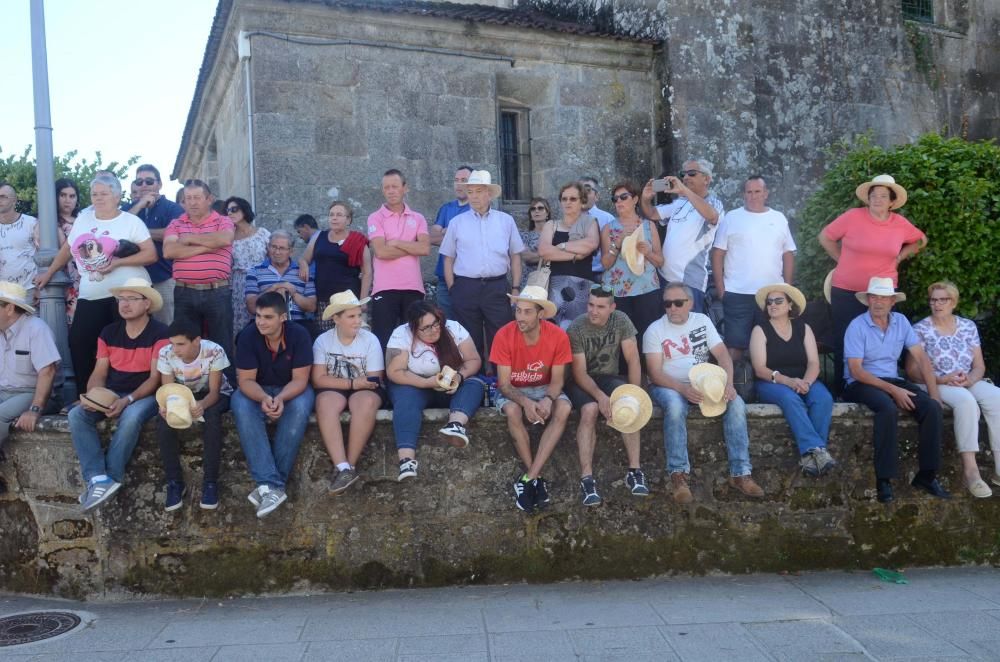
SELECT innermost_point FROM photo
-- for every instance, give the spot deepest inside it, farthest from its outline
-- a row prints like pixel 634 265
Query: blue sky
pixel 121 76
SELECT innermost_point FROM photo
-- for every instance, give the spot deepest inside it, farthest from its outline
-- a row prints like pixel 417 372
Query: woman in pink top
pixel 865 242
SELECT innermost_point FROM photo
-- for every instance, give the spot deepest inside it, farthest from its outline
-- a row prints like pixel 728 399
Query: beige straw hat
pixel 710 380
pixel 631 408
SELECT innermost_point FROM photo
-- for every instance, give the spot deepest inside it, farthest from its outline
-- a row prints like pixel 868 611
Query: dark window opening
pixel 918 10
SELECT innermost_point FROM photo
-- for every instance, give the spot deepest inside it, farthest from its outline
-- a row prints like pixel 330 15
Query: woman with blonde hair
pixel 954 349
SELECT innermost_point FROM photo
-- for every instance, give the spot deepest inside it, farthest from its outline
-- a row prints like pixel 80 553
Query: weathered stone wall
pixel 456 523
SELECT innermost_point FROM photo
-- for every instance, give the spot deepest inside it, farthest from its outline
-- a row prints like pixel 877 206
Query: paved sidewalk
pixel 943 614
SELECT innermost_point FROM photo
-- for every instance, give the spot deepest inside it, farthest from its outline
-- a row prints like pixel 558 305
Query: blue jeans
pixel 734 429
pixel 271 463
pixel 87 443
pixel 409 402
pixel 808 415
pixel 443 298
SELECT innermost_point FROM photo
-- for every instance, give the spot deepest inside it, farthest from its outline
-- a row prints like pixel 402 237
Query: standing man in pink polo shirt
pixel 399 238
pixel 200 243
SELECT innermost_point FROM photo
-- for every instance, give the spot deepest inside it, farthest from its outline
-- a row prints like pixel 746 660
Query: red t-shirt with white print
pixel 531 365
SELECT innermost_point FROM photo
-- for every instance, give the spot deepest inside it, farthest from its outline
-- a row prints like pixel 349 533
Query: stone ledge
pixel 456 523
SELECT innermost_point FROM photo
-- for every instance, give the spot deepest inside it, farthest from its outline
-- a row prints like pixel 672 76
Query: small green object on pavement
pixel 890 576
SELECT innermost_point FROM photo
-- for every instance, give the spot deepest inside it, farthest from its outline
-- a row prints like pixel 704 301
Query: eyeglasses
pixel 130 299
pixel 934 300
pixel 776 301
pixel 279 248
pixel 232 210
pixel 674 303
pixel 145 181
pixel 621 198
pixel 588 187
pixel 690 173
pixel 436 324
pixel 538 208
pixel 569 199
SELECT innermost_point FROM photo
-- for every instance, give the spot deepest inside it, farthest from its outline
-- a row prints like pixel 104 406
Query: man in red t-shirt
pixel 531 357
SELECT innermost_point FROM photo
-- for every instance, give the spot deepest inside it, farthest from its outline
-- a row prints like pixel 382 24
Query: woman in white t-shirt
pixel 95 245
pixel 431 362
pixel 347 373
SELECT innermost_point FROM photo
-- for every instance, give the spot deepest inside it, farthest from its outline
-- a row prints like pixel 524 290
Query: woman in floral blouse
pixel 638 296
pixel 953 346
pixel 249 250
pixel 539 214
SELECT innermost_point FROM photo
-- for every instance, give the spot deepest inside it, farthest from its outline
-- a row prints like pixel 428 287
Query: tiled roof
pixel 518 17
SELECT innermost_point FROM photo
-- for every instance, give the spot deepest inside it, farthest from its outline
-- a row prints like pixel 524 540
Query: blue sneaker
pixel 588 491
pixel 209 495
pixel 635 480
pixel 99 492
pixel 175 495
pixel 524 495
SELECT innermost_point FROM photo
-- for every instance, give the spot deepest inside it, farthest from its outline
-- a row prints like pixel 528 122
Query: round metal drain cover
pixel 35 626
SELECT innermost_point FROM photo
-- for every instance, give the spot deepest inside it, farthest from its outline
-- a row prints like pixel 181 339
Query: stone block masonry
pixel 456 523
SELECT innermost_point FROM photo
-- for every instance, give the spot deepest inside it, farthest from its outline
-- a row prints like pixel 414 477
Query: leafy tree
pixel 19 170
pixel 953 189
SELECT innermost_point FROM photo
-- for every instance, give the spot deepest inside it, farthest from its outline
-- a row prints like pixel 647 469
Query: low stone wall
pixel 457 523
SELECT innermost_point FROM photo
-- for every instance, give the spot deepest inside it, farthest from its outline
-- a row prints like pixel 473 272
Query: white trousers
pixel 966 405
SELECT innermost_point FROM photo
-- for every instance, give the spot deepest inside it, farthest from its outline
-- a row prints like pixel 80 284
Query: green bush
pixel 19 170
pixel 953 191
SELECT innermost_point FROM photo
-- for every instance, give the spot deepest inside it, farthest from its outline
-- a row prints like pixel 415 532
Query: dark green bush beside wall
pixel 954 197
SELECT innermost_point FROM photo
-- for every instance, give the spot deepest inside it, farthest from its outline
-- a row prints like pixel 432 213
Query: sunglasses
pixel 690 173
pixel 232 210
pixel 538 208
pixel 622 197
pixel 145 181
pixel 776 301
pixel 674 303
pixel 569 199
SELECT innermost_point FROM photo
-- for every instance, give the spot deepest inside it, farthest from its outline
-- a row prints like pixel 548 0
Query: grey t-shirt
pixel 601 344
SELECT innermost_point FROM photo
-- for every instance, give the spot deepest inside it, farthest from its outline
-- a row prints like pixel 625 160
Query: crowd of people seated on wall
pixel 183 312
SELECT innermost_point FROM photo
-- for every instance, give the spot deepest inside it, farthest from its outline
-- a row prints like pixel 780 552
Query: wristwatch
pixel 774 376
pixel 130 398
pixel 35 409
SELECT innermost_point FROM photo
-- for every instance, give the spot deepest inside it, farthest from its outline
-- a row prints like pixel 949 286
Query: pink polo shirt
pixel 401 273
pixel 208 267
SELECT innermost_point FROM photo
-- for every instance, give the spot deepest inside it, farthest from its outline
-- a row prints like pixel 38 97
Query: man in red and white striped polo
pixel 200 243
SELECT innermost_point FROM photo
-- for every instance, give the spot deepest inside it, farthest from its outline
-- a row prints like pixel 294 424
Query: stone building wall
pixel 456 522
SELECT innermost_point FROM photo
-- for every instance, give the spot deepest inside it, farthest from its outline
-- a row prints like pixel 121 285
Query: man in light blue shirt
pixel 872 346
pixel 480 248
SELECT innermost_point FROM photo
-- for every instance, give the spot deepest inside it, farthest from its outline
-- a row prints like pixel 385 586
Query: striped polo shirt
pixel 208 267
pixel 130 358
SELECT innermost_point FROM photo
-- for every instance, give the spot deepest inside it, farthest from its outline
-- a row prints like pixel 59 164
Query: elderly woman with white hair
pixel 954 349
pixel 109 246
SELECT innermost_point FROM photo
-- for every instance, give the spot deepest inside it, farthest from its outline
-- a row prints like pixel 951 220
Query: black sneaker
pixel 524 493
pixel 456 433
pixel 175 495
pixel 588 491
pixel 636 482
pixel 541 492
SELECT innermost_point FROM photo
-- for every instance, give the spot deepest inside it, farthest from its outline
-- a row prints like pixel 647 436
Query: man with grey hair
pixel 156 211
pixel 602 217
pixel 691 220
pixel 18 241
pixel 276 274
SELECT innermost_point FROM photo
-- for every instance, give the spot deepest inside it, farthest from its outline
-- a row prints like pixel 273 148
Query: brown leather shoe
pixel 682 493
pixel 747 486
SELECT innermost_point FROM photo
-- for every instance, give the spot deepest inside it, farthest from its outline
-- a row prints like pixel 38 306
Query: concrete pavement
pixel 942 614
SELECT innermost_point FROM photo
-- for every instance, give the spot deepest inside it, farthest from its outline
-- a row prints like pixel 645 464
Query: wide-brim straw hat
pixel 17 295
pixel 828 286
pixel 710 380
pixel 537 295
pixel 446 378
pixel 177 399
pixel 791 292
pixel 483 178
pixel 882 287
pixel 635 260
pixel 631 408
pixel 143 287
pixel 100 398
pixel 883 180
pixel 342 301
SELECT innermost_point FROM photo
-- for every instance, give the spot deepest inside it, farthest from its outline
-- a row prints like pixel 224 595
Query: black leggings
pixel 90 319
